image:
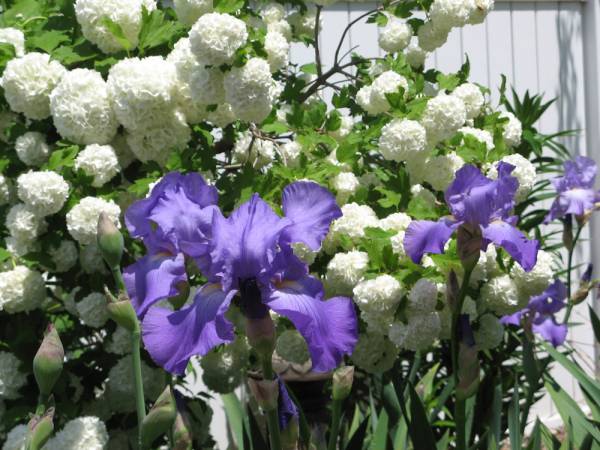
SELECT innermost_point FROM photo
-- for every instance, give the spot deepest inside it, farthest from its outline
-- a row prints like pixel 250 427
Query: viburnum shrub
pixel 378 270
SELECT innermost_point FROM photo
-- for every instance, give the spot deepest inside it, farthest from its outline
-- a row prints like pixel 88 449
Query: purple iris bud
pixel 540 314
pixel 587 275
pixel 576 193
pixel 286 408
pixel 174 221
pixel 478 201
pixel 247 256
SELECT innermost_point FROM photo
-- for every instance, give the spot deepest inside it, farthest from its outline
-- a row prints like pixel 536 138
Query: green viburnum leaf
pixel 48 40
pixel 379 18
pixel 389 199
pixel 276 127
pixel 4 254
pixel 309 68
pixel 341 99
pixel 334 121
pixel 420 209
pixel 117 32
pixel 64 157
pixel 228 6
pixel 448 82
pixel 7 52
pixel 157 29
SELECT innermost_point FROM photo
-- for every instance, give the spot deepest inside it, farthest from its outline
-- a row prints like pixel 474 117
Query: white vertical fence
pixel 545 47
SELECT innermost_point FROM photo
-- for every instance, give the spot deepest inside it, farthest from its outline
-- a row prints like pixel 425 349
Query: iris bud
pixel 48 361
pixel 567 236
pixel 452 289
pixel 342 382
pixel 468 244
pixel 585 285
pixel 468 361
pixel 39 430
pixel 160 418
pixel 121 311
pixel 261 335
pixel 266 393
pixel 110 241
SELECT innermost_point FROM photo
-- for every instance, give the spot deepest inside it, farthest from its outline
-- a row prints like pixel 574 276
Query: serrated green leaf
pixel 227 6
pixel 117 32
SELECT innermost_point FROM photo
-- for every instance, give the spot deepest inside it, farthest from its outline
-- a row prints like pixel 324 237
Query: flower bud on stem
pixel 39 430
pixel 342 385
pixel 48 362
pixel 110 241
pixel 160 418
pixel 468 244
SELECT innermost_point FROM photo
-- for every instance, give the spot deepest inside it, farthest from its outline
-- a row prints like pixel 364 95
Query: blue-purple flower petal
pixel 173 337
pixel 286 408
pixel 551 331
pixel 551 301
pixel 426 236
pixel 505 235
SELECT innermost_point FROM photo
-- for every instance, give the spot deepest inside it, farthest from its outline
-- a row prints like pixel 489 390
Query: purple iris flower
pixel 540 314
pixel 576 194
pixel 247 257
pixel 286 408
pixel 478 201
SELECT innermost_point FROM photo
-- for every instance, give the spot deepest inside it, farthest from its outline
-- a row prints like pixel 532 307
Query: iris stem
pixel 272 417
pixel 569 270
pixel 137 376
pixel 334 431
pixel 459 404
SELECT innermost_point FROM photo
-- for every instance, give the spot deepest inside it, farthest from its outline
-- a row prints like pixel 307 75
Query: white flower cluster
pixel 91 259
pixel 374 353
pixel 120 389
pixel 64 256
pixel 32 149
pixel 403 140
pixel 98 161
pixel 524 172
pixel 355 218
pixel 16 439
pixel 419 333
pixel 500 295
pixel 483 136
pixel 440 170
pixel 81 108
pixel 292 347
pixel 377 300
pixel 92 310
pixel 44 193
pixel 443 116
pixel 11 379
pixel 6 190
pixel 395 36
pixel 345 185
pixel 489 333
pixel 188 11
pixel 82 219
pixel 216 37
pixel 257 152
pixel 422 298
pixel 538 279
pixel 14 37
pixel 472 97
pixel 92 15
pixel 120 342
pixel 278 50
pixel 28 81
pixel 23 224
pixel 372 98
pixel 512 130
pixel 222 369
pixel 84 432
pixel 290 153
pixel 345 271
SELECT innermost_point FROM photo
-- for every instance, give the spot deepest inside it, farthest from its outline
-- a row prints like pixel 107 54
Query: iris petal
pixel 551 331
pixel 523 250
pixel 426 236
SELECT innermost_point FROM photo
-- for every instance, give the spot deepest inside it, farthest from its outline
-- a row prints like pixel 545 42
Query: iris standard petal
pixel 551 301
pixel 329 327
pixel 523 250
pixel 426 236
pixel 311 209
pixel 244 244
pixel 173 337
pixel 580 173
pixel 513 319
pixel 548 329
pixel 152 278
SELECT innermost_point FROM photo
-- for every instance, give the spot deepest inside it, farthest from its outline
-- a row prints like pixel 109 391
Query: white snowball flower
pixel 21 289
pixel 387 83
pixel 345 271
pixel 512 130
pixel 206 85
pixel 127 14
pixel 222 371
pixel 6 190
pixel 91 259
pixel 500 295
pixel 14 37
pixel 250 90
pixel 483 136
pixel 124 154
pixel 379 295
pixel 374 353
pixel 82 219
pixel 20 248
pixel 345 185
pixel 64 256
pixel 281 26
pixel 304 23
pixel 419 333
pixel 443 116
pixel 480 11
pixel 278 50
pixel 23 223
pixel 415 55
pixel 92 310
pixel 402 140
pixel 16 438
pixel 98 161
pixel 524 172
pixel 395 36
pixel 292 347
pixel 490 332
pixel 222 116
pixel 256 152
pixel 355 218
pixel 397 242
pixel 87 433
pixel 423 194
pixel 81 108
pixel 120 387
pixel 422 297
pixel 441 170
pixel 157 143
pixel 143 91
pixel 345 127
pixel 395 222
pixel 189 11
pixel 538 279
pixel 290 153
pixel 12 378
pixel 120 342
pixel 44 192
pixel 450 13
pixel 216 37
pixel 272 12
pixel 363 97
pixel 432 37
pixel 28 81
pixel 472 98
pixel 32 148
